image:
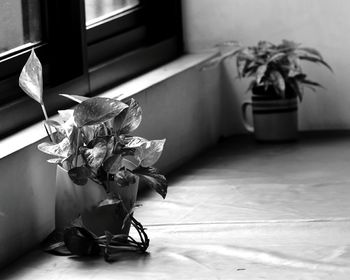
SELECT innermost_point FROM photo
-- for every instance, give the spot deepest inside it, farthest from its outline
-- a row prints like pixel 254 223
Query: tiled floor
pixel 242 210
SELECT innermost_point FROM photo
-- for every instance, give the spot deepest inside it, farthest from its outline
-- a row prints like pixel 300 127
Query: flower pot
pixel 273 119
pixel 74 200
pixel 111 217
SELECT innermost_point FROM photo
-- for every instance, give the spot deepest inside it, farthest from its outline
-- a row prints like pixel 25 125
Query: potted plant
pixel 99 167
pixel 277 82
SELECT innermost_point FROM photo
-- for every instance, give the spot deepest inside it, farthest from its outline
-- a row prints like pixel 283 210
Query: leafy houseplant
pixel 277 80
pixel 99 166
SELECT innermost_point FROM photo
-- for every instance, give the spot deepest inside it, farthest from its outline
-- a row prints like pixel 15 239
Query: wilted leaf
pixel 133 117
pixel 80 242
pixel 31 80
pixel 95 155
pixel 97 110
pixel 151 178
pixel 79 175
pixel 76 98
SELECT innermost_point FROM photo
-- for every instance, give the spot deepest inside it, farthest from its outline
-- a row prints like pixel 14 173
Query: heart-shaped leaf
pixel 97 110
pixel 80 242
pixel 113 164
pixel 133 117
pixel 146 152
pixel 61 149
pixel 31 79
pixel 151 178
pixel 95 156
pixel 149 152
pixel 134 141
pixel 79 175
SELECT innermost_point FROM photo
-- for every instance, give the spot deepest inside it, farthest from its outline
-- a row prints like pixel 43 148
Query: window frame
pixel 71 61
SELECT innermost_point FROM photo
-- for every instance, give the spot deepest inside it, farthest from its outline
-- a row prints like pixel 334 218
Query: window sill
pixel 36 132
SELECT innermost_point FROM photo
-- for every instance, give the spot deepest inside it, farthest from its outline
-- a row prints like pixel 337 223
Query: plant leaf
pixel 31 79
pixel 260 72
pixel 61 149
pixel 76 98
pixel 316 60
pixel 133 117
pixel 54 244
pixel 311 51
pixel 65 114
pixel 79 175
pixel 278 82
pixel 311 83
pixel 97 110
pixel 60 130
pixel 294 84
pixel 149 153
pixel 95 156
pixel 146 152
pixel 57 160
pixel 113 164
pixel 151 178
pixel 80 242
pixel 109 201
pixel 124 178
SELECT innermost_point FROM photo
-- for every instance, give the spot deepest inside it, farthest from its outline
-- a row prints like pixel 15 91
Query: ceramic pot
pixel 74 200
pixel 273 119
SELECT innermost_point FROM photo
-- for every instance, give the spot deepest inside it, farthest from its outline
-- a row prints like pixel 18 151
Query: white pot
pixel 74 200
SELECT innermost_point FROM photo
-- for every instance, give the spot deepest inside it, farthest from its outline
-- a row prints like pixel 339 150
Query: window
pixel 17 30
pixel 85 47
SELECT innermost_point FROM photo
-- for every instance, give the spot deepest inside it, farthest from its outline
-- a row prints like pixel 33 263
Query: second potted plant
pixel 277 83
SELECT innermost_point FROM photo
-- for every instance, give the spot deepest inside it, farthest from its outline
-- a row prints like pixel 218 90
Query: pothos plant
pixel 91 142
pixel 275 69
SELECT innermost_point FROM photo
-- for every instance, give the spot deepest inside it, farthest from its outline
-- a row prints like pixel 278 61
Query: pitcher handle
pixel 247 125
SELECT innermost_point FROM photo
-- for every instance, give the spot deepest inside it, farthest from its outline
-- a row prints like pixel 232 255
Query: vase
pixel 274 119
pixel 74 200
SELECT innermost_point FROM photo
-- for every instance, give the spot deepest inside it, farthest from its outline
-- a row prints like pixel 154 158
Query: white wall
pixel 321 24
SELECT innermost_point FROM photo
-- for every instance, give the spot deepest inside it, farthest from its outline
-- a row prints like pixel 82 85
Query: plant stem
pixel 48 127
pixel 77 148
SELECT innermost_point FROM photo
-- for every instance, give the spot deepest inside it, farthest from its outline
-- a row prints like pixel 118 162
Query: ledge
pixel 37 132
